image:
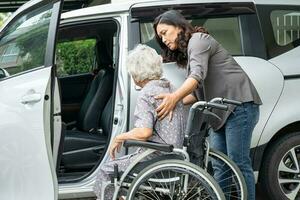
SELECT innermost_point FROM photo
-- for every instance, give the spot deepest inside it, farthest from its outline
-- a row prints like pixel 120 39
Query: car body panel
pixel 288 62
pixel 277 2
pixel 110 9
pixel 288 109
pixel 286 112
pixel 269 90
pixel 57 121
pixel 24 157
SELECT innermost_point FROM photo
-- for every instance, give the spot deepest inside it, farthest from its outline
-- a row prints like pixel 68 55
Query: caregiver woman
pixel 211 72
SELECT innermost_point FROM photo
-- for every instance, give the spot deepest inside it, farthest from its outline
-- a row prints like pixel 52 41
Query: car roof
pixel 125 7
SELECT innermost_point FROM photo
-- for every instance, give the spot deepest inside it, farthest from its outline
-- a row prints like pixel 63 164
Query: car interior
pixel 86 101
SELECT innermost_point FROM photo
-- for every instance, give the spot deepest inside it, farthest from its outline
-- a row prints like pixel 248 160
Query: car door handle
pixel 31 98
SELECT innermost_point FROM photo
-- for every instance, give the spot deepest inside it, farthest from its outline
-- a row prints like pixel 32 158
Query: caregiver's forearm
pixel 189 85
pixel 189 99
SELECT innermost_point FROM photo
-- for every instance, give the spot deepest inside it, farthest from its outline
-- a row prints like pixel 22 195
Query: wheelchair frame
pixel 154 147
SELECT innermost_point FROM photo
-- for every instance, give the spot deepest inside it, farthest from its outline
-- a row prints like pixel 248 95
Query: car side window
pixel 286 26
pixel 23 44
pixel 280 26
pixel 225 30
pixel 75 57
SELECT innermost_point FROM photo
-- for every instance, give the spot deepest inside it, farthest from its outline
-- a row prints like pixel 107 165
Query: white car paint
pixel 24 158
pixel 288 108
pixel 269 90
pixel 288 62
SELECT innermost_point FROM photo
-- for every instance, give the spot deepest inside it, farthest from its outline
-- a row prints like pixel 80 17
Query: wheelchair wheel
pixel 174 180
pixel 231 180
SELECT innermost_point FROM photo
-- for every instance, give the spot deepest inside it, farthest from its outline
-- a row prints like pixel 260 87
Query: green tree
pixel 75 57
pixel 32 43
pixel 3 17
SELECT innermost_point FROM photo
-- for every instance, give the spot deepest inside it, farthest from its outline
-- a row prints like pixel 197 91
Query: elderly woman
pixel 145 67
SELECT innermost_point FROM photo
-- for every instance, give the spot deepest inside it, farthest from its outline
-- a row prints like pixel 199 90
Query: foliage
pixel 75 57
pixel 32 41
pixel 32 47
pixel 3 17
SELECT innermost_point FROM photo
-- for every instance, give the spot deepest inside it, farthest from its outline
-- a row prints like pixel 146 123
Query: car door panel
pixel 24 158
pixel 26 103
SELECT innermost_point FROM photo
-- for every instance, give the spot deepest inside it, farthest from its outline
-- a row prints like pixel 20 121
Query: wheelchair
pixel 179 174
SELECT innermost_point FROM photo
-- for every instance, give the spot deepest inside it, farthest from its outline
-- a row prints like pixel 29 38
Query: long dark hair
pixel 174 18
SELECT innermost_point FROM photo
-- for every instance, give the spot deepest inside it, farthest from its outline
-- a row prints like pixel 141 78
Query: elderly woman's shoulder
pixel 156 87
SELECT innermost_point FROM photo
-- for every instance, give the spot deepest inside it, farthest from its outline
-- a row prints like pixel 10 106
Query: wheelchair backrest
pixel 196 132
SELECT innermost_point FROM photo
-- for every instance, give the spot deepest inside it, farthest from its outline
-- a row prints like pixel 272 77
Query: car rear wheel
pixel 280 174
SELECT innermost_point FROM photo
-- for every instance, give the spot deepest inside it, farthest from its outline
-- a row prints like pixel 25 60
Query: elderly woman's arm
pixel 134 134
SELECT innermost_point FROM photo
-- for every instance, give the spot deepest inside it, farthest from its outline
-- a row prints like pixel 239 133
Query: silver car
pixel 67 93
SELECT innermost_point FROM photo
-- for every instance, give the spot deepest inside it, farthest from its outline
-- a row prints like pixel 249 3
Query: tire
pixel 164 180
pixel 238 190
pixel 281 164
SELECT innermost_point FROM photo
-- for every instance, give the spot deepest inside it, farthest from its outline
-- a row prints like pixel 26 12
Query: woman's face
pixel 168 35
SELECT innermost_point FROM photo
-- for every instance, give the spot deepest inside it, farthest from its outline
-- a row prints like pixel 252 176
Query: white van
pixel 67 91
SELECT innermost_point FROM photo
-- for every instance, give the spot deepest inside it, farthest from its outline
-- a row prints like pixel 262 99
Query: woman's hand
pixel 115 147
pixel 167 106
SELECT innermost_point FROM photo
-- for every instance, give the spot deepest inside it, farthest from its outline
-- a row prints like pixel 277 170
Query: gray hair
pixel 144 63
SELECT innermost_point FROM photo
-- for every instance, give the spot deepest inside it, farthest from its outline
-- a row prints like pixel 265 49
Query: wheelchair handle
pixel 227 101
pixel 217 106
pixel 204 104
pixel 201 105
pixel 233 102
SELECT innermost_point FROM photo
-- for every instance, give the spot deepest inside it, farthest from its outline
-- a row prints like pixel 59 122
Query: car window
pixel 75 57
pixel 224 30
pixel 280 26
pixel 23 44
pixel 286 26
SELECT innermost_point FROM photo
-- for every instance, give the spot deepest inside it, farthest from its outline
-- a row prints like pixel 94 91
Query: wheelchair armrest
pixel 149 145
